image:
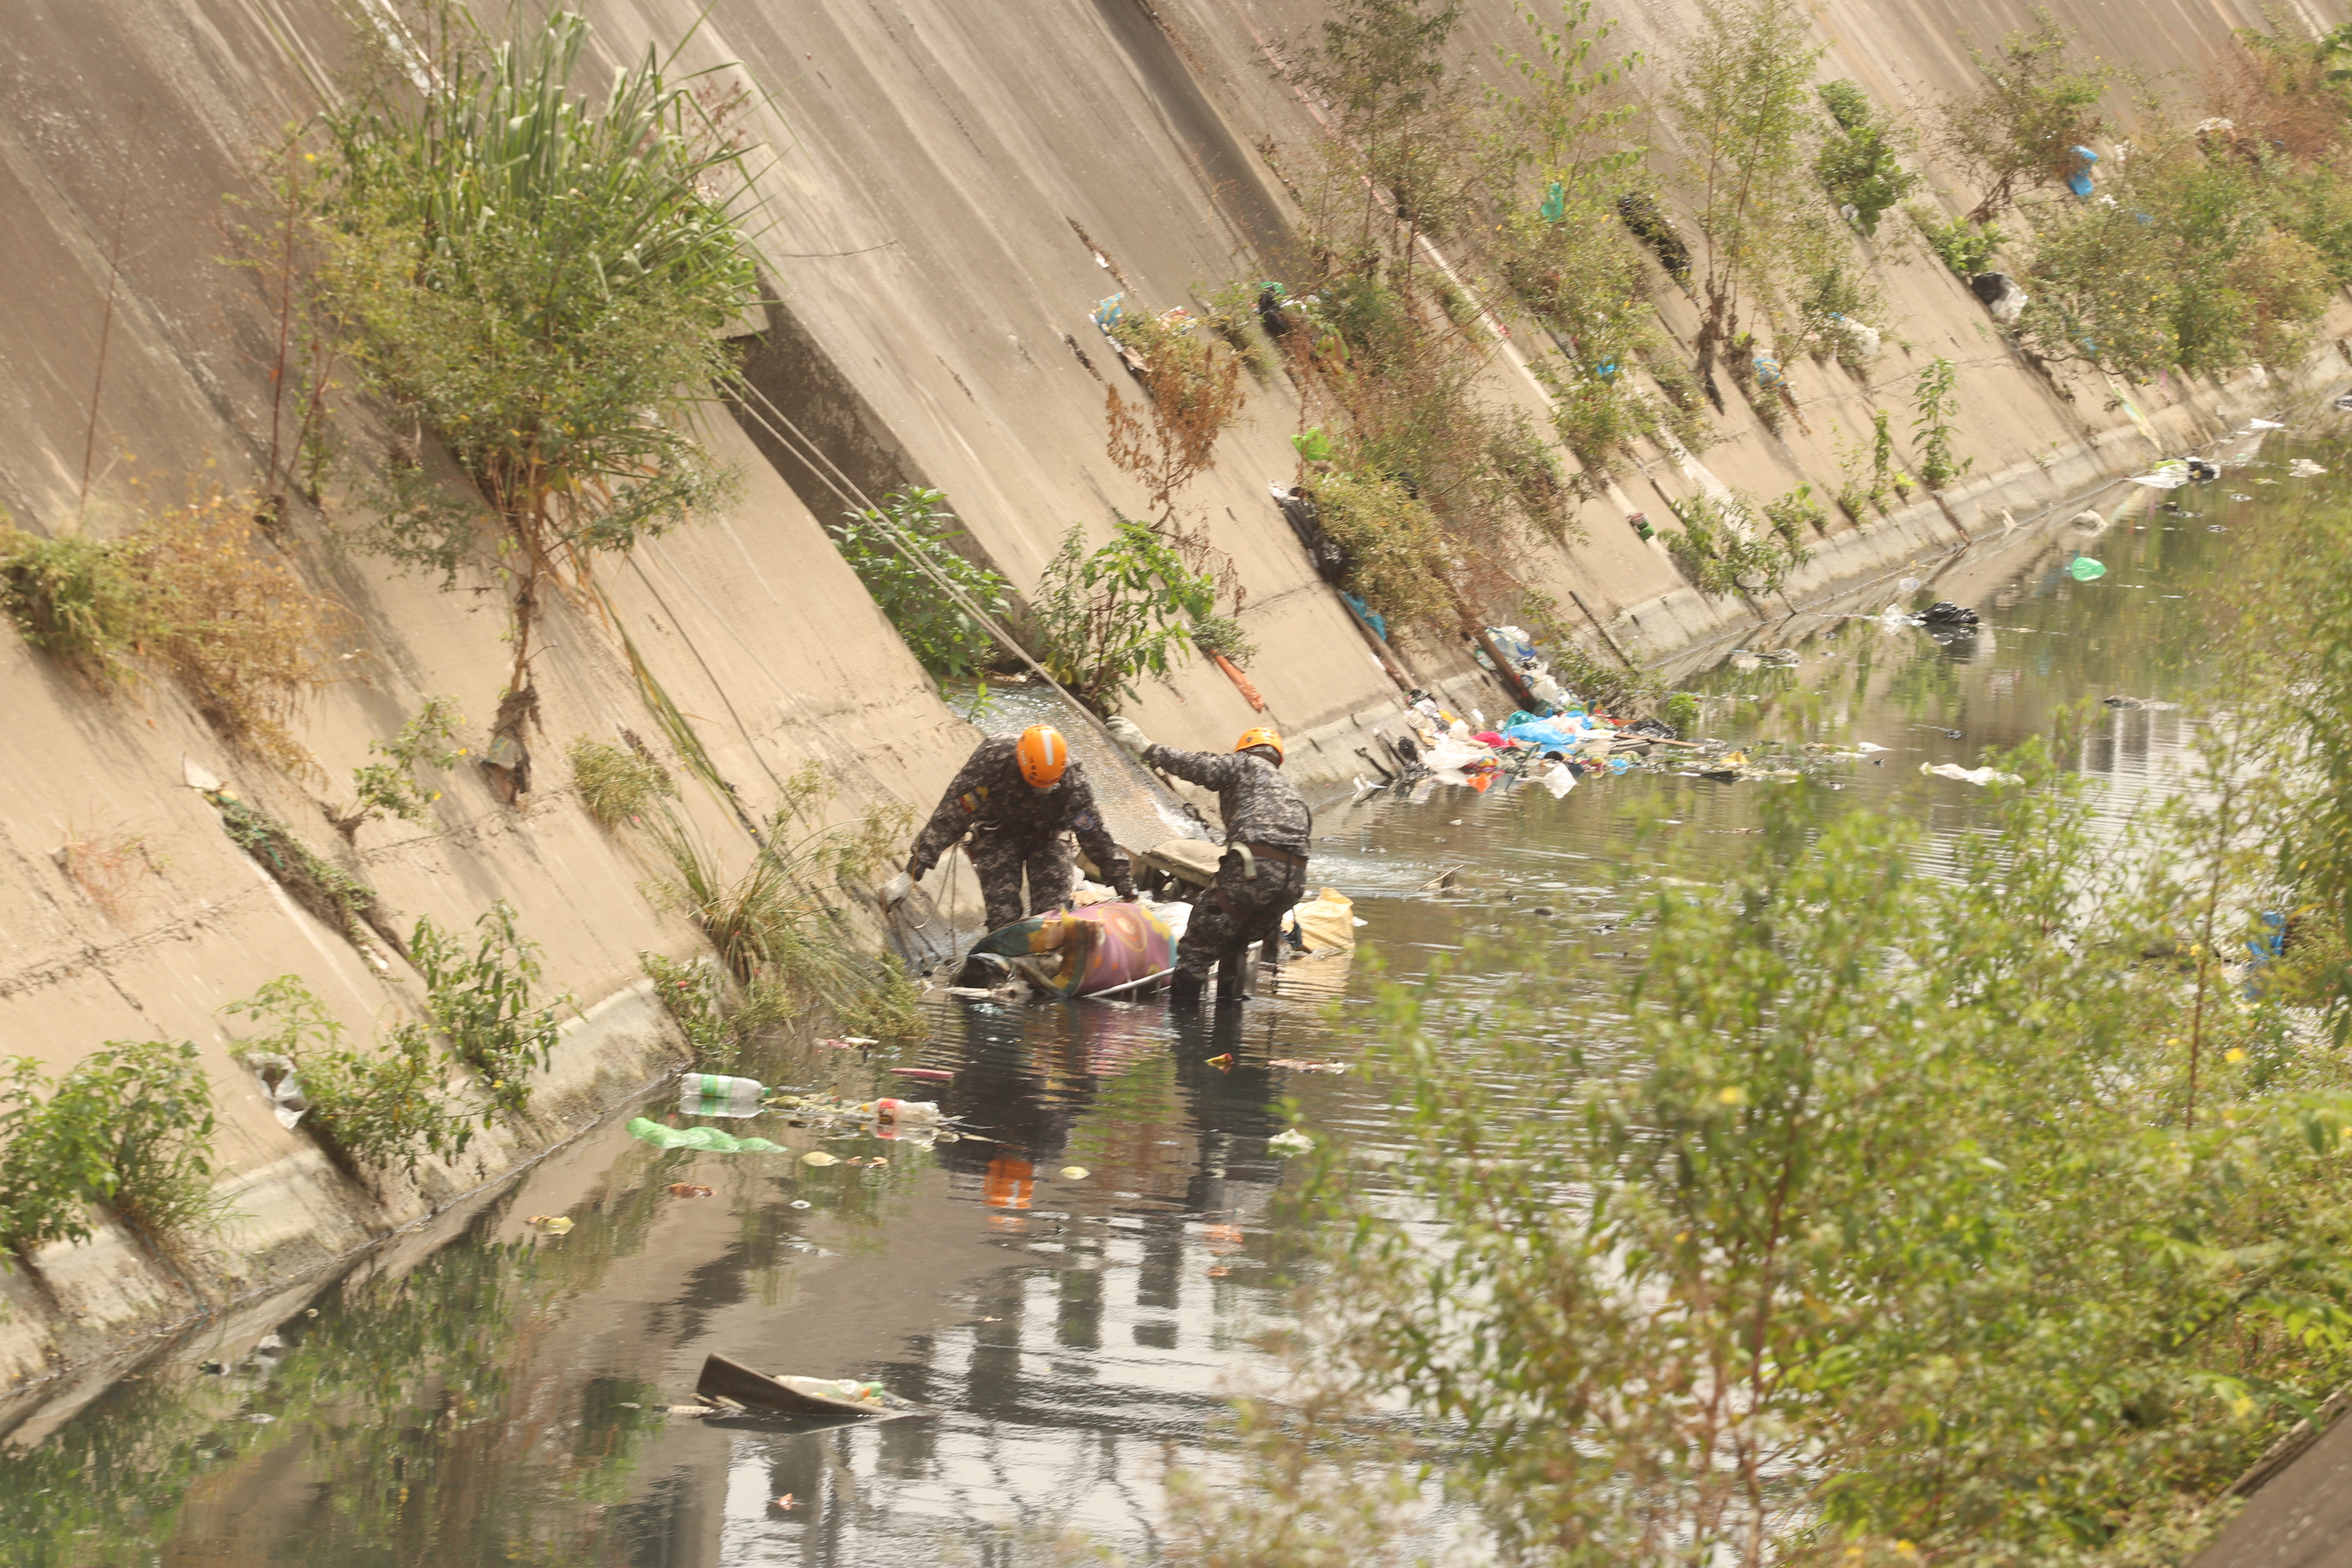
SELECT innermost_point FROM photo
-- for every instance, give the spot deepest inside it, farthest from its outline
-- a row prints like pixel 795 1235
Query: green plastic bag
pixel 709 1140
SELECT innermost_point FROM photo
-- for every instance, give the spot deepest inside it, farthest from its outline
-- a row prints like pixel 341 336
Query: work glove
pixel 1126 734
pixel 896 889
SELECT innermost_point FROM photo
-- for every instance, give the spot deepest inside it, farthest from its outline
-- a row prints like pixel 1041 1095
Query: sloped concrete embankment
pixel 954 187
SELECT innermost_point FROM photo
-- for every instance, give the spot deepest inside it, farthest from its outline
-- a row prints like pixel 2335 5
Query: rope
pixel 911 548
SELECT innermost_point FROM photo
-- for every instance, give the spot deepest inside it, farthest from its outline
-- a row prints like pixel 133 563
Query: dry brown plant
pixel 106 864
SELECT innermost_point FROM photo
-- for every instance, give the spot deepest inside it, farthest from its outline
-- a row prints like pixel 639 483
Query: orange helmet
pixel 1043 755
pixel 1261 736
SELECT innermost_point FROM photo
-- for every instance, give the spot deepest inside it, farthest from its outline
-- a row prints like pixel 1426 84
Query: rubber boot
pixel 1233 978
pixel 1184 990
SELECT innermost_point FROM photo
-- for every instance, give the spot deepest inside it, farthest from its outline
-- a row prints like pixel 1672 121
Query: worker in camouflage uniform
pixel 1264 870
pixel 1019 798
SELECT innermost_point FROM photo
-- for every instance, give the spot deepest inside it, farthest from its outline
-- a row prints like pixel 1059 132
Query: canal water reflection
pixel 1073 1287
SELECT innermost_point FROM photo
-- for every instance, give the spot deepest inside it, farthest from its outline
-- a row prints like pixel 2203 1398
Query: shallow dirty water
pixel 1070 1289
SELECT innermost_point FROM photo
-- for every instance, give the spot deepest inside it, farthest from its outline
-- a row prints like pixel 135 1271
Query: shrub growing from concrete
pixel 902 552
pixel 537 282
pixel 128 1128
pixel 1108 617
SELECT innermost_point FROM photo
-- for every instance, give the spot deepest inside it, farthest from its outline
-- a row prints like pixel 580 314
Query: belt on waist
pixel 1268 851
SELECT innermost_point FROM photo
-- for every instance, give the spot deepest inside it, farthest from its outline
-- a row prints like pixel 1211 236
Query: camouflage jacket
pixel 1257 802
pixel 989 794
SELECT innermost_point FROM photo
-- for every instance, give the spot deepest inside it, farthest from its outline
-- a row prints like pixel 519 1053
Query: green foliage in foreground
pixel 1982 1212
pixel 1877 1207
pixel 1859 164
pixel 617 784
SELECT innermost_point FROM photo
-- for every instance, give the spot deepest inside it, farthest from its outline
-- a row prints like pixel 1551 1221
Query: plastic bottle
pixel 911 1112
pixel 710 1094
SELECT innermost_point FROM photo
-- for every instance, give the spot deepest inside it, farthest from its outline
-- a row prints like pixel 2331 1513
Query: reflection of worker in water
pixel 1020 798
pixel 1264 870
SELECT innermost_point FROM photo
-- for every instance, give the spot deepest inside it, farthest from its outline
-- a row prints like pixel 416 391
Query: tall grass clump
pixel 536 281
pixel 781 941
pixel 618 784
pixel 185 594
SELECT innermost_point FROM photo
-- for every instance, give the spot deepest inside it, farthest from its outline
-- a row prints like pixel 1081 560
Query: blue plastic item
pixel 2079 182
pixel 1548 735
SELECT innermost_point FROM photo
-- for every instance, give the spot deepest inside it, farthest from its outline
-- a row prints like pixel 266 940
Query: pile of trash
pixel 918 1121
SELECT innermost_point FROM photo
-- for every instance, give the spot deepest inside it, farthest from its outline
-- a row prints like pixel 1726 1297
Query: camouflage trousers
pixel 1001 859
pixel 1237 911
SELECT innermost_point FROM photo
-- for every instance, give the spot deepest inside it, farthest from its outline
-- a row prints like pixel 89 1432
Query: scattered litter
pixel 1324 923
pixel 1969 775
pixel 798 1204
pixel 2083 569
pixel 279 1086
pixel 2264 424
pixel 785 1502
pixel 260 1418
pixel 818 1157
pixel 2147 702
pixel 2001 295
pixel 709 1140
pixel 929 1075
pixel 689 1190
pixel 1223 1063
pixel 1074 1173
pixel 2169 474
pixel 713 1094
pixel 1867 746
pixel 1944 613
pixel 726 1383
pixel 554 1224
pixel 1291 1142
pixel 2088 518
pixel 913 1111
pixel 1291 1065
pixel 2303 469
pixel 850 1042
pixel 973 993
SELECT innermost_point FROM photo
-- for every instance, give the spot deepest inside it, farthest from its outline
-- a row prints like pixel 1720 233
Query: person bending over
pixel 1019 798
pixel 1264 870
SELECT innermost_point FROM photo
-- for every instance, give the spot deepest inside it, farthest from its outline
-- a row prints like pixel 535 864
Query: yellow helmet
pixel 1260 736
pixel 1042 755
